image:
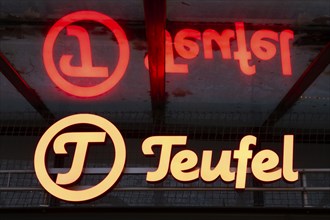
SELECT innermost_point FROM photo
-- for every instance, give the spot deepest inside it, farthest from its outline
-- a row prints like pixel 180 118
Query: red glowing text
pixel 262 46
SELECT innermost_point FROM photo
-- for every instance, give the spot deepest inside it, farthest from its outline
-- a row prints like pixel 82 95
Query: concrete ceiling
pixel 210 86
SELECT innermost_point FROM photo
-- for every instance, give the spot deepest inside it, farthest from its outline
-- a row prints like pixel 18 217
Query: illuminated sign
pixel 82 140
pixel 261 44
pixel 86 70
pixel 182 165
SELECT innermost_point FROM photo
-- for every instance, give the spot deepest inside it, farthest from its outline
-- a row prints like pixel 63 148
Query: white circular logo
pixel 81 139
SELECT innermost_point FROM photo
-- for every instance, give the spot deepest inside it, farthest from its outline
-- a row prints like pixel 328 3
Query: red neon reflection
pixel 170 66
pixel 263 49
pixel 242 54
pixel 80 33
pixel 223 41
pixel 186 48
pixel 285 37
pixel 86 69
pixel 262 43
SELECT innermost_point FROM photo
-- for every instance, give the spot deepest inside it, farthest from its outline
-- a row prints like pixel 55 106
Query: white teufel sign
pixel 182 165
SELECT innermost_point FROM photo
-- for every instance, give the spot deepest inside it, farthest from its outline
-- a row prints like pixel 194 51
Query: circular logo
pixel 86 67
pixel 92 192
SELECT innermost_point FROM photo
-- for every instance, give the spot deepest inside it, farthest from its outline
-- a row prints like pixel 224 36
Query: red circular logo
pixel 86 69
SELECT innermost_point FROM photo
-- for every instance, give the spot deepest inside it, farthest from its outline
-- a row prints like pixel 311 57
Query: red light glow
pixel 186 44
pixel 87 69
pixel 185 47
pixel 262 44
pixel 263 49
pixel 170 66
pixel 223 41
pixel 285 37
pixel 242 54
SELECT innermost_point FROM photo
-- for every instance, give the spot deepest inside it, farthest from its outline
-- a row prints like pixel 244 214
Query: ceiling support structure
pixel 24 89
pixel 302 84
pixel 155 20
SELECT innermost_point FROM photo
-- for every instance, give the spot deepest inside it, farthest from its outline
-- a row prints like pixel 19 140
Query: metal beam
pixel 155 20
pixel 24 89
pixel 306 79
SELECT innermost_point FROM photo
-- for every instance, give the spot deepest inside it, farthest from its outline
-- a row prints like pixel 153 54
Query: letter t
pixel 166 143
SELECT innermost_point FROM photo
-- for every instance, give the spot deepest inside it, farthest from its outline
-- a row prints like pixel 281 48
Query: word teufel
pixel 182 165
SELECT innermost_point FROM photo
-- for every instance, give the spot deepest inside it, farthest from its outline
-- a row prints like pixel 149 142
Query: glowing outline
pixel 118 71
pixel 100 188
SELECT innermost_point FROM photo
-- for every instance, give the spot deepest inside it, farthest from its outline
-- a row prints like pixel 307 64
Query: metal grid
pixel 20 189
pixel 315 127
